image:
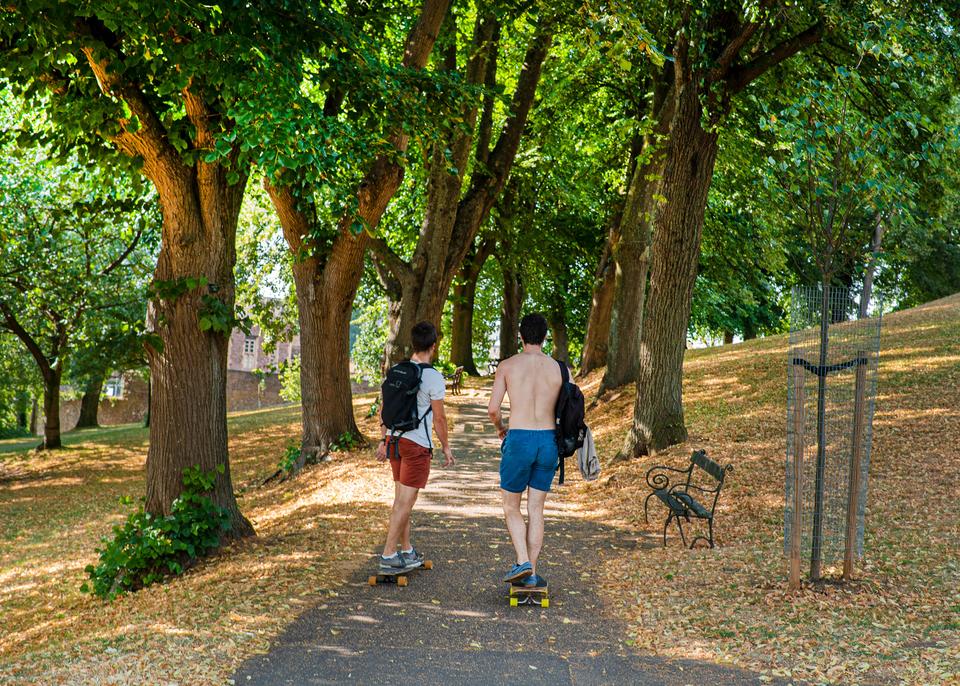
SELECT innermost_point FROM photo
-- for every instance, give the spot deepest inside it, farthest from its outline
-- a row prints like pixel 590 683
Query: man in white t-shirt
pixel 411 460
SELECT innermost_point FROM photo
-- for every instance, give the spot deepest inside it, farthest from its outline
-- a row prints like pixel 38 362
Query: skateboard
pixel 520 595
pixel 398 578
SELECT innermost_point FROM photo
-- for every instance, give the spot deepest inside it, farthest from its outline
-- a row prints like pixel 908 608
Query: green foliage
pixel 845 161
pixel 76 243
pixel 149 548
pixel 264 278
pixel 288 460
pixel 346 442
pixel 290 380
pixel 369 329
pixel 215 315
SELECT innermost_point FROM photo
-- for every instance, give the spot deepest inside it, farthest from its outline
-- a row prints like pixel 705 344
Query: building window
pixel 249 345
pixel 114 387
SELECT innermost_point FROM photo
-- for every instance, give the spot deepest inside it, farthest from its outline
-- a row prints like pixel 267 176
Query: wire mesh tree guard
pixel 831 393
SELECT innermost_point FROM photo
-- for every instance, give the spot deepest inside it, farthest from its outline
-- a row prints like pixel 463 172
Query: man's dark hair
pixel 423 336
pixel 533 328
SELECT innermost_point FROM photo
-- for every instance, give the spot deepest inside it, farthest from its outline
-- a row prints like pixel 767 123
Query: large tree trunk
pixel 327 283
pixel 510 311
pixel 189 371
pixel 464 299
pixel 451 223
pixel 632 251
pixel 598 325
pixel 690 156
pixel 325 290
pixel 90 404
pixel 51 408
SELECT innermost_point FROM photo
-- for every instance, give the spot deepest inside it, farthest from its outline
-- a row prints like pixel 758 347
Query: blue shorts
pixel 529 458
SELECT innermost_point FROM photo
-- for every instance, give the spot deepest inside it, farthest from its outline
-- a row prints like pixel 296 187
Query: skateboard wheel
pixel 514 602
pixel 401 581
pixel 372 581
pixel 428 564
pixel 545 602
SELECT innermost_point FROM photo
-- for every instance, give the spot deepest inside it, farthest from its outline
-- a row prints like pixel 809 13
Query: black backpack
pixel 399 410
pixel 570 412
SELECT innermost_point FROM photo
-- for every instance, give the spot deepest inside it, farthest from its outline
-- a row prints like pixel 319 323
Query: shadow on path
pixel 453 624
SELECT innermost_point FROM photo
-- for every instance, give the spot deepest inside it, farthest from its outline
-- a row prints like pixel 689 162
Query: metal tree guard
pixel 824 326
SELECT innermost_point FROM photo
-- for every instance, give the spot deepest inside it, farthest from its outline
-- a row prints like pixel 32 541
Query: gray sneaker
pixel 394 564
pixel 413 559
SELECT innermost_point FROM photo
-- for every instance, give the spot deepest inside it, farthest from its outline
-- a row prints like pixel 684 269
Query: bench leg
pixel 667 524
pixel 683 538
pixel 704 538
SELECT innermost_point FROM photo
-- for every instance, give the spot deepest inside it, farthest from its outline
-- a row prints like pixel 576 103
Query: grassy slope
pixel 900 622
pixel 54 507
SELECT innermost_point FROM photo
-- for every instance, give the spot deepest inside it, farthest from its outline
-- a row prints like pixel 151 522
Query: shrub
pixel 288 460
pixel 345 442
pixel 148 547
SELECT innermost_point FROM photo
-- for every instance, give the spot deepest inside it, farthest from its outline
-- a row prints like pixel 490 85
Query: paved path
pixel 453 624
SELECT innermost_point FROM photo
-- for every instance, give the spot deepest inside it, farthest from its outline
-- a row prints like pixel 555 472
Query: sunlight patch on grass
pixel 898 621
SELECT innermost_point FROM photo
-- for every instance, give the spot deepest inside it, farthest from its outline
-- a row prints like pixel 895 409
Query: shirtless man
pixel 529 454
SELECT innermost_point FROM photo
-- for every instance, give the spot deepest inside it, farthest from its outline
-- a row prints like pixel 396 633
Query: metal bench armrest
pixel 658 481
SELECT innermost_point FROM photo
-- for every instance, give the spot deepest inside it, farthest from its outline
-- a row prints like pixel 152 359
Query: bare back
pixel 532 381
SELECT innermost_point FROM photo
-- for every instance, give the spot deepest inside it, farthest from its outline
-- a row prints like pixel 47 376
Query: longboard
pixel 399 578
pixel 521 595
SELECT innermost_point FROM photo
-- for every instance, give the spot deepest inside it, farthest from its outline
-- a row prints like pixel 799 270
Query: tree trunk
pixel 510 312
pixel 558 329
pixel 689 160
pixel 464 299
pixel 146 414
pixel 22 408
pixel 324 302
pixel 189 371
pixel 51 408
pixel 327 282
pixel 598 325
pixel 90 404
pixel 34 414
pixel 632 252
pixel 871 267
pixel 728 337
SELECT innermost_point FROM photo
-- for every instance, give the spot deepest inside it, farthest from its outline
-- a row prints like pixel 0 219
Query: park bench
pixel 680 501
pixel 456 381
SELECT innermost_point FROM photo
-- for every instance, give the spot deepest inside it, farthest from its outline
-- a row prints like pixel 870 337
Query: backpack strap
pixel 421 366
pixel 564 372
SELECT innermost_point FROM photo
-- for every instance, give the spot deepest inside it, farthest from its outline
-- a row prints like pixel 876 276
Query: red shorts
pixel 413 466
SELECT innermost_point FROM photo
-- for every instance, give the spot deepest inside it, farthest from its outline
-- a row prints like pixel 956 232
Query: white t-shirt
pixel 432 387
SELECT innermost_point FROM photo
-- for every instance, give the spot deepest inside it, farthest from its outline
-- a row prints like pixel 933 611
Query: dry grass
pixel 195 629
pixel 900 621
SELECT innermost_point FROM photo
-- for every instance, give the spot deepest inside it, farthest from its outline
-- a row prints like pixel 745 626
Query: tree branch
pixel 395 264
pixel 740 77
pixel 31 344
pixel 126 253
pixel 150 140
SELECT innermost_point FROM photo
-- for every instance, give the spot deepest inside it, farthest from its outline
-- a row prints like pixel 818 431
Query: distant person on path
pixel 406 431
pixel 529 454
